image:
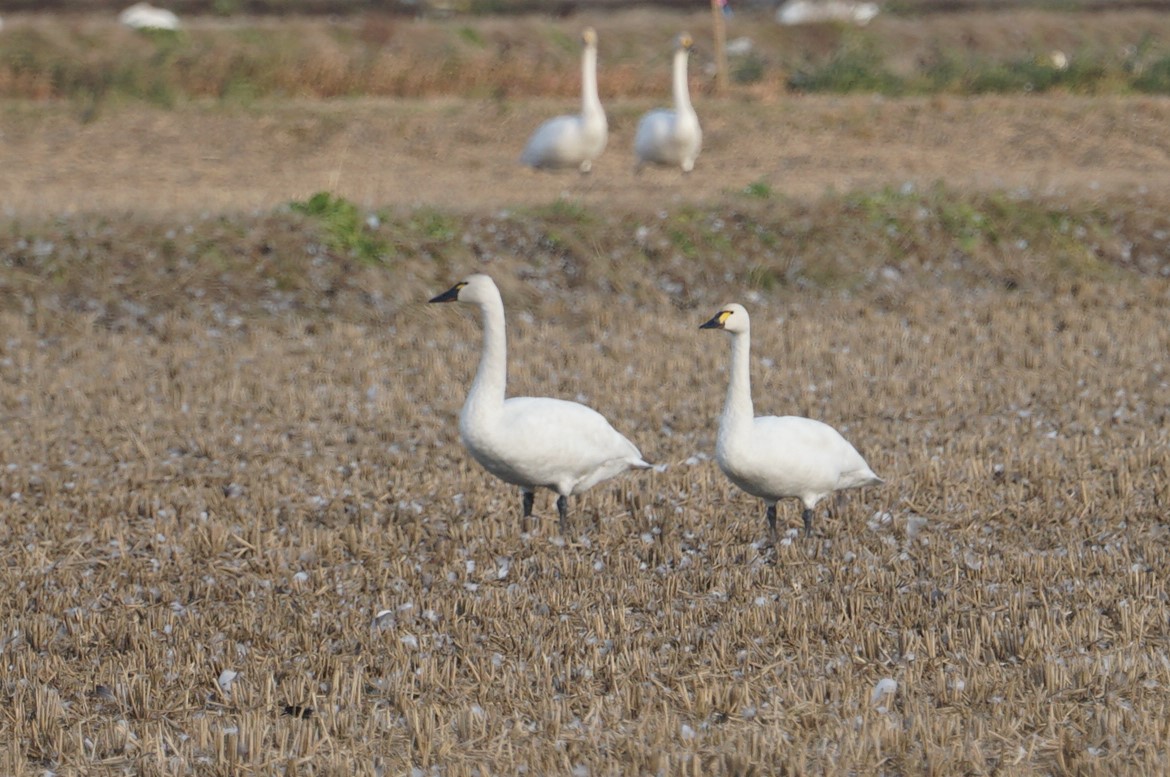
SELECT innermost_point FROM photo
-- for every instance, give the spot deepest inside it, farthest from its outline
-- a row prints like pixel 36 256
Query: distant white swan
pixel 818 11
pixel 672 137
pixel 776 457
pixel 532 442
pixel 144 16
pixel 573 141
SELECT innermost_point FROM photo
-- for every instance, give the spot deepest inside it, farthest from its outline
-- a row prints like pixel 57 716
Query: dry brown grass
pixel 462 154
pixel 206 470
pixel 91 60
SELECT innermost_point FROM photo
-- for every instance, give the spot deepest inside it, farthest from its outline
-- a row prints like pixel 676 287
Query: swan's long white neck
pixel 682 92
pixel 590 101
pixel 486 398
pixel 737 410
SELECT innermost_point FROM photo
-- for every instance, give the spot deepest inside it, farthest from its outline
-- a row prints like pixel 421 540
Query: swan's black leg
pixel 527 498
pixel 807 516
pixel 563 513
pixel 772 522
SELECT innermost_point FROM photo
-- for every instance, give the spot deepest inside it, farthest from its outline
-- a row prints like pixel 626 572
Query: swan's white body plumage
pixel 573 141
pixel 795 12
pixel 790 456
pixel 551 443
pixel 671 137
pixel 143 16
pixel 532 442
pixel 773 457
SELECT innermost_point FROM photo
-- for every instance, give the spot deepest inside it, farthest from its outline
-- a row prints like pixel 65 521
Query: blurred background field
pixel 1115 48
pixel 239 534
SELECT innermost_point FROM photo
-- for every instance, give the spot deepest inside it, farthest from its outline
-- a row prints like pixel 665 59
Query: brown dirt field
pixel 463 154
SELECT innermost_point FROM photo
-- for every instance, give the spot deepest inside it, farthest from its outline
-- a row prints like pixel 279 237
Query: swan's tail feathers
pixel 641 463
pixel 859 479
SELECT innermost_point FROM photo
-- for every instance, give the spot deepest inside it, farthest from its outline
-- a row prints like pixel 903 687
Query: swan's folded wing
pixel 807 451
pixel 556 143
pixel 566 440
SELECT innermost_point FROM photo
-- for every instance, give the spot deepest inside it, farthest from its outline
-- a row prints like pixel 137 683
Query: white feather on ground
pixel 781 457
pixel 577 140
pixel 532 442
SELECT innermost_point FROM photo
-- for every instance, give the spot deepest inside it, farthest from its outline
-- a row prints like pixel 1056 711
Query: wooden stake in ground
pixel 720 30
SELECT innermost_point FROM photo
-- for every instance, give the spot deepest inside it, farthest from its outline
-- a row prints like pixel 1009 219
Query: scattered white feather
pixel 885 687
pixel 739 47
pixel 532 442
pixel 144 16
pixel 503 566
pixel 672 137
pixel 775 457
pixel 226 678
pixel 914 525
pixel 575 140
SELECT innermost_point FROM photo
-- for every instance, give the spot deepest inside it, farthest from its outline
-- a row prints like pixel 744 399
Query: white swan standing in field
pixel 573 141
pixel 777 457
pixel 532 442
pixel 672 137
pixel 144 16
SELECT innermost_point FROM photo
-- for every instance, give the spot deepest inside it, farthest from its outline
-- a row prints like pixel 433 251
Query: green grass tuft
pixel 345 227
pixel 856 66
pixel 759 190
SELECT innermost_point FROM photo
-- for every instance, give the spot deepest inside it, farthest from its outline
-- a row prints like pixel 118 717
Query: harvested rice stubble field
pixel 283 498
pixel 240 535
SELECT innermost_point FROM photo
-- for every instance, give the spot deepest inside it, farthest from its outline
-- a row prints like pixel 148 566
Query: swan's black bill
pixel 714 323
pixel 450 295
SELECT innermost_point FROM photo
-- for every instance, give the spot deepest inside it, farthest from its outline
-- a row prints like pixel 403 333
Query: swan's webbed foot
pixel 563 514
